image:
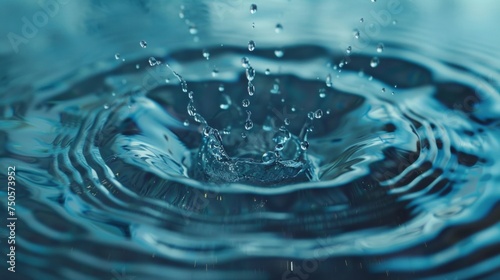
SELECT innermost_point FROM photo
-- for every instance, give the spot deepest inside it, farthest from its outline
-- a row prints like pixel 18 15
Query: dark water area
pixel 250 140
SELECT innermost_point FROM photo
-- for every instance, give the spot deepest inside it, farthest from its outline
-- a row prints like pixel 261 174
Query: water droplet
pixel 318 114
pixel 248 124
pixel 394 22
pixel 279 53
pixel 329 80
pixel 251 45
pixel 267 72
pixel 282 136
pixel 322 93
pixel 304 145
pixel 328 112
pixel 269 157
pixel 227 102
pixel 253 9
pixel 380 48
pixel 373 1
pixel 245 103
pixel 221 87
pixel 275 89
pixel 243 135
pixel 250 72
pixel 152 61
pixel 215 72
pixel 310 115
pixel 191 95
pixel 198 118
pixel 348 50
pixel 117 56
pixel 106 106
pixel 361 20
pixel 143 44
pixel 186 123
pixel 251 89
pixel 356 33
pixel 287 121
pixel 190 108
pixel 279 147
pixel 193 30
pixel 278 28
pixel 184 86
pixel 245 62
pixel 374 62
pixel 206 54
pixel 137 66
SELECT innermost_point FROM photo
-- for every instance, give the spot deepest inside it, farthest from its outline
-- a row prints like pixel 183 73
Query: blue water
pixel 218 140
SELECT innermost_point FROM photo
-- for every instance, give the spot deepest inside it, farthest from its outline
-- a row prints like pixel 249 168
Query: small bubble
pixel 380 48
pixel 383 89
pixel 361 20
pixel 245 103
pixel 267 72
pixel 278 28
pixel 243 135
pixel 279 53
pixel 318 114
pixel 193 30
pixel 253 9
pixel 328 112
pixel 117 56
pixel 251 45
pixel 374 62
pixel 245 62
pixel 304 145
pixel 143 44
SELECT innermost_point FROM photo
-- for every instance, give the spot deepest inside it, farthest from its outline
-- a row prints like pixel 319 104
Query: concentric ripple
pixel 327 161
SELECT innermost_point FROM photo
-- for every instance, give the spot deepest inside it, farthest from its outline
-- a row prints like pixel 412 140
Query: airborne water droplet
pixel 356 33
pixel 304 145
pixel 279 53
pixel 117 56
pixel 310 115
pixel 152 61
pixel 278 28
pixel 380 48
pixel 248 124
pixel 245 62
pixel 328 80
pixel 206 54
pixel 251 45
pixel 250 73
pixel 253 9
pixel 322 93
pixel 287 121
pixel 348 50
pixel 374 62
pixel 143 44
pixel 251 89
pixel 193 30
pixel 245 103
pixel 267 71
pixel 318 114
